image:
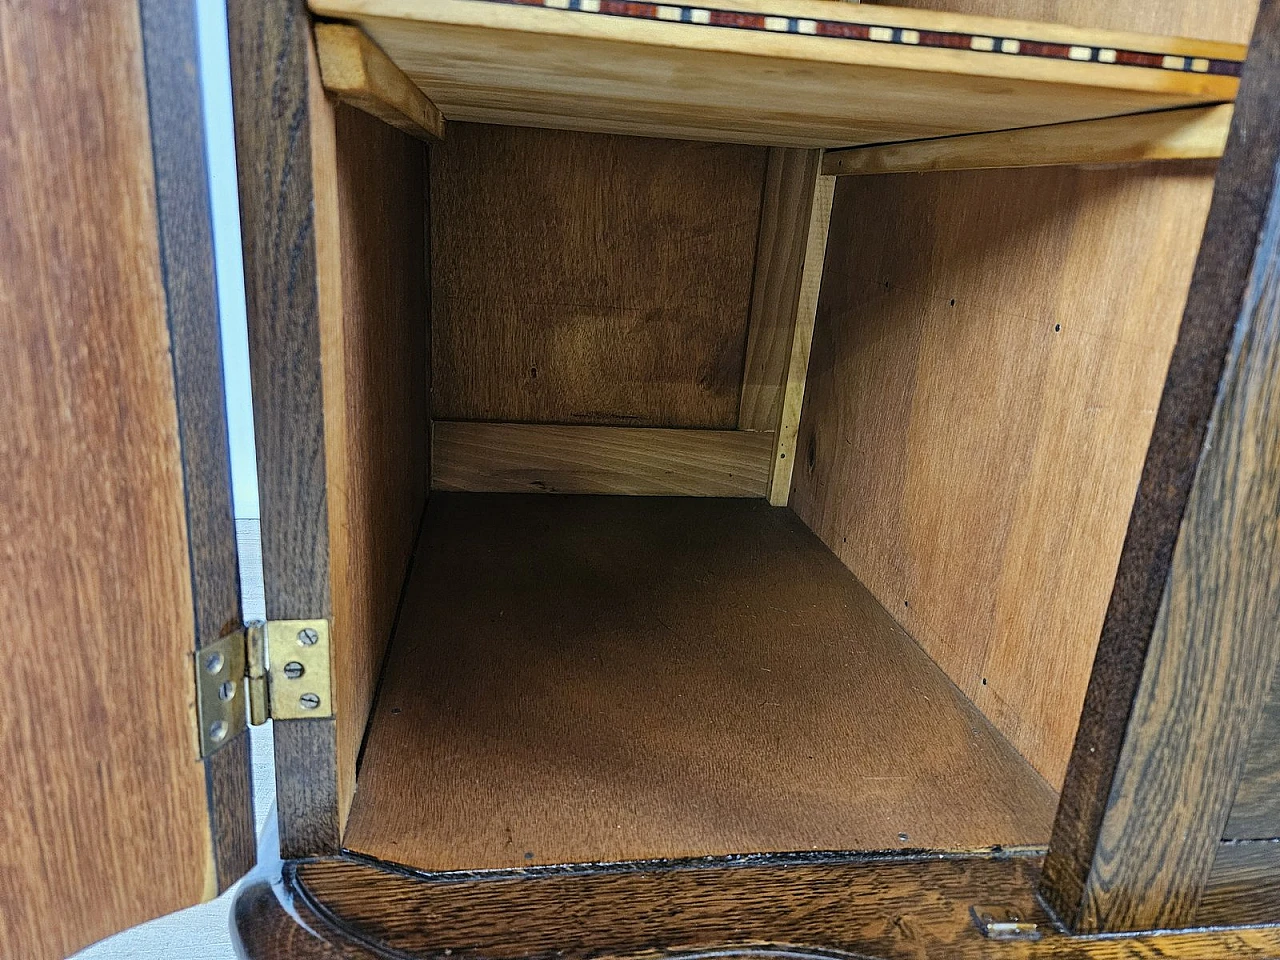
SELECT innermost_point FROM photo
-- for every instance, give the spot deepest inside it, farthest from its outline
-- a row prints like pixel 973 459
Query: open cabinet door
pixel 117 548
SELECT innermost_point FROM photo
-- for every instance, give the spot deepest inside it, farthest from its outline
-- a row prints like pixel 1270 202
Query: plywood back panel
pixel 371 242
pixel 583 278
pixel 989 353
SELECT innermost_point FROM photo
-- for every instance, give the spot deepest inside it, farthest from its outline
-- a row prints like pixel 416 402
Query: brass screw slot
pixel 309 701
pixel 218 731
pixel 227 690
pixel 293 670
pixel 308 637
pixel 213 663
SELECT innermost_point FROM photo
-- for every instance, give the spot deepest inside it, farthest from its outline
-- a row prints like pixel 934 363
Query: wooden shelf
pixel 598 679
pixel 783 72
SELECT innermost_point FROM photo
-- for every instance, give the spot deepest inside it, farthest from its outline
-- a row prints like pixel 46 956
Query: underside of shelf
pixel 783 72
pixel 583 679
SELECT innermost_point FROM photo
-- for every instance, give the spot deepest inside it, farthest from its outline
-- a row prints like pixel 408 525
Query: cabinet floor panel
pixel 586 678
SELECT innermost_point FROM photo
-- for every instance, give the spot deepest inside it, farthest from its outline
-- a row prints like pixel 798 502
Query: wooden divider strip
pixel 1188 134
pixel 355 70
pixel 637 461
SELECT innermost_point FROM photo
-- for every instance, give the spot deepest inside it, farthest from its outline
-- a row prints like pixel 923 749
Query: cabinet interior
pixel 575 624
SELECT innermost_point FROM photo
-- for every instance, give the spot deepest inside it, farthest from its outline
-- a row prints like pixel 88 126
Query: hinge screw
pixel 308 636
pixel 213 662
pixel 309 701
pixel 293 670
pixel 227 690
pixel 218 731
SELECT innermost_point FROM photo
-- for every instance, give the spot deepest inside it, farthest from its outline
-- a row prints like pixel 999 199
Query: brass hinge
pixel 1003 923
pixel 277 669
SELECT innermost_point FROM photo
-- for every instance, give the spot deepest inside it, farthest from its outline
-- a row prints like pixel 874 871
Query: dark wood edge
pixel 270 920
pixel 269 42
pixel 187 267
pixel 1244 885
pixel 1214 303
pixel 844 906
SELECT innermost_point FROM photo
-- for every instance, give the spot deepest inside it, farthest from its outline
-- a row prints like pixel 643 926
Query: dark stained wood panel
pixel 583 278
pixel 890 908
pixel 375 364
pixel 275 89
pixel 580 679
pixel 1243 885
pixel 97 747
pixel 1255 812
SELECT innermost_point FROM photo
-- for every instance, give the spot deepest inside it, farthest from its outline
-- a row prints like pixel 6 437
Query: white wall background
pixel 203 932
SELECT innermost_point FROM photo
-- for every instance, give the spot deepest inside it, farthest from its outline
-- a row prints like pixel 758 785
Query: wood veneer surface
pixel 582 278
pixel 99 770
pixel 985 373
pixel 581 679
pixel 371 239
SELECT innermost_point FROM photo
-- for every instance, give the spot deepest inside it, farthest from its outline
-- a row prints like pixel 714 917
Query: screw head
pixel 293 670
pixel 308 636
pixel 213 662
pixel 309 701
pixel 218 731
pixel 227 690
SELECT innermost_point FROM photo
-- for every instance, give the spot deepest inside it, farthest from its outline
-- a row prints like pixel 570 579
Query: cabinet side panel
pixel 590 278
pixel 982 386
pixel 992 487
pixel 97 744
pixel 378 415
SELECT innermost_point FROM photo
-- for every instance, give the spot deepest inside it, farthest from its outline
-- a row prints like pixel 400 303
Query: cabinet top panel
pixel 785 72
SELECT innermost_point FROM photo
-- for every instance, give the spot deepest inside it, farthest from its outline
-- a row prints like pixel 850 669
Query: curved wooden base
pixel 834 906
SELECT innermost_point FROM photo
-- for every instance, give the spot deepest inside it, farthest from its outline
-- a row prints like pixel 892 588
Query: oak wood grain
pixel 890 908
pixel 590 279
pixel 357 72
pixel 1191 133
pixel 275 89
pixel 1243 886
pixel 97 739
pixel 525 65
pixel 371 222
pixel 186 260
pixel 637 461
pixel 1255 811
pixel 1188 647
pixel 583 679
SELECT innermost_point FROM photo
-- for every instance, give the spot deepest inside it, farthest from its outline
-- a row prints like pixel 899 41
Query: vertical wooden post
pixel 790 252
pixel 1189 642
pixel 273 89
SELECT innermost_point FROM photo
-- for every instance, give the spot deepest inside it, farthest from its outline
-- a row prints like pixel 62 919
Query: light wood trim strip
pixel 784 452
pixel 1193 133
pixel 637 461
pixel 356 71
pixel 775 287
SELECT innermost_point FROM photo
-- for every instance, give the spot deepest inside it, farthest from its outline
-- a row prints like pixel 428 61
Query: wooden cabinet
pixel 786 477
